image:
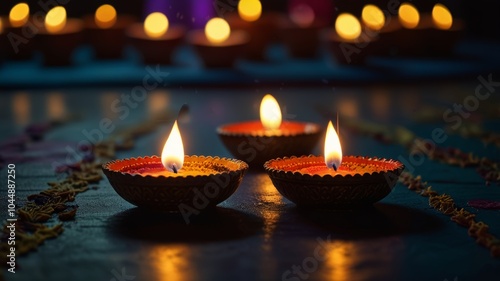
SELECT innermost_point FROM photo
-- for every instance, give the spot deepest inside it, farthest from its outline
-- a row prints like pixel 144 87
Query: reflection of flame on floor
pixel 339 260
pixel 381 103
pixel 21 105
pixel 348 107
pixel 268 195
pixel 108 102
pixel 158 102
pixel 56 107
pixel 351 260
pixel 171 263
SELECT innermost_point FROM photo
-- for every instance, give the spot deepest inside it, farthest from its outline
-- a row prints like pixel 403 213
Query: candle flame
pixel 172 155
pixel 1 25
pixel 19 15
pixel 408 15
pixel 442 17
pixel 156 24
pixel 249 10
pixel 373 17
pixel 55 20
pixel 347 26
pixel 333 150
pixel 270 113
pixel 302 15
pixel 217 30
pixel 105 16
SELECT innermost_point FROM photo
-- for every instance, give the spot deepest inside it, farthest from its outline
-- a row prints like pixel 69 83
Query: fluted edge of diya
pixel 222 54
pixel 249 142
pixel 155 50
pixel 296 180
pixel 209 179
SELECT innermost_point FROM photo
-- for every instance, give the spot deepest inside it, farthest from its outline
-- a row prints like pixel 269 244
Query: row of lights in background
pixel 112 30
pixel 349 27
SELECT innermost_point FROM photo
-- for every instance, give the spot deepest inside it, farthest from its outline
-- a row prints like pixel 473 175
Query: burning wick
pixel 175 169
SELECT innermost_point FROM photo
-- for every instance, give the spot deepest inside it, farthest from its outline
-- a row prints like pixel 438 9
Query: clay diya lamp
pixel 155 39
pixel 105 32
pixel 300 32
pixel 413 38
pixel 18 32
pixel 217 45
pixel 446 31
pixel 333 181
pixel 59 37
pixel 175 182
pixel 406 34
pixel 261 27
pixel 348 43
pixel 255 142
pixel 375 25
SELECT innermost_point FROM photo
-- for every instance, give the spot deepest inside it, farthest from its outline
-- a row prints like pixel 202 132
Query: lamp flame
pixel 19 15
pixel 156 24
pixel 347 26
pixel 55 20
pixel 270 113
pixel 408 15
pixel 442 17
pixel 373 17
pixel 217 30
pixel 333 150
pixel 249 10
pixel 172 155
pixel 105 16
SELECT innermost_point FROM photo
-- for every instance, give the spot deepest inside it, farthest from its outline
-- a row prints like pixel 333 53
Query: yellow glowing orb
pixel 55 20
pixel 19 15
pixel 408 15
pixel 249 10
pixel 217 30
pixel 347 26
pixel 155 25
pixel 373 17
pixel 1 25
pixel 442 17
pixel 105 16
